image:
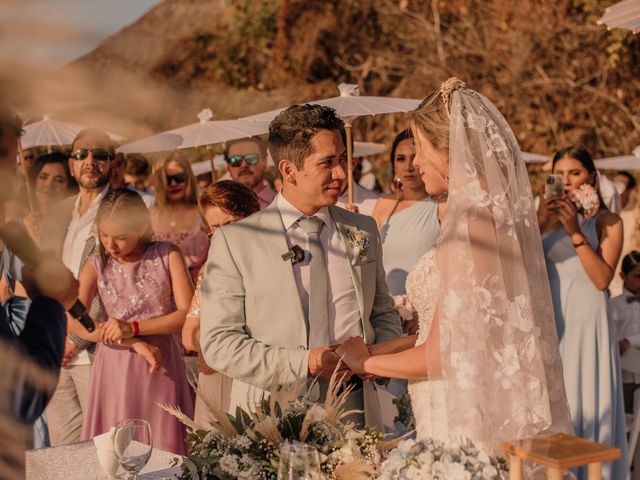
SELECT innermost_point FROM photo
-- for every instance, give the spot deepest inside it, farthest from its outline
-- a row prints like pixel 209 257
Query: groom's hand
pixel 324 360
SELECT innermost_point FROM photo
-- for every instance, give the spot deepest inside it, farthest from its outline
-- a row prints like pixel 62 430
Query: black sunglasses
pixel 250 158
pixel 98 154
pixel 177 178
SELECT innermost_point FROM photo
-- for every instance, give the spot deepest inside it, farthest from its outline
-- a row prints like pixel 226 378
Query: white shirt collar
pixel 94 204
pixel 627 293
pixel 290 214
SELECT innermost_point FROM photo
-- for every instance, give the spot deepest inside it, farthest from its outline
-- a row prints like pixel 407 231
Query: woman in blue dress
pixel 407 219
pixel 581 253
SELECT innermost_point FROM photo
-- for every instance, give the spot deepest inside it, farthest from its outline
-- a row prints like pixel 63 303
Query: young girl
pixel 625 313
pixel 146 290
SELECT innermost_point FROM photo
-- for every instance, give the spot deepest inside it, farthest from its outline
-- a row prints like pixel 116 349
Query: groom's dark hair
pixel 290 133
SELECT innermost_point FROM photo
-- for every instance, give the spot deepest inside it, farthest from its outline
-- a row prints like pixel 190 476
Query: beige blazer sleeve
pixel 226 341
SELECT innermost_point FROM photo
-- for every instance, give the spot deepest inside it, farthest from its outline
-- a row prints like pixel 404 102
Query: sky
pixel 58 31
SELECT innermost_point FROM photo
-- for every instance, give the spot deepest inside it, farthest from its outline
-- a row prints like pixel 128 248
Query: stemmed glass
pixel 132 445
pixel 299 461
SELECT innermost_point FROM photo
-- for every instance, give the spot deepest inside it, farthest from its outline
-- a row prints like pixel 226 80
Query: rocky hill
pixel 557 76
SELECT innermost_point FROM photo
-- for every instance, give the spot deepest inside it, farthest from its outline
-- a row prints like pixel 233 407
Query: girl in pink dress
pixel 146 290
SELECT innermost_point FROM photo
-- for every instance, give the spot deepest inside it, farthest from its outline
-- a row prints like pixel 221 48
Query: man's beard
pixel 95 183
pixel 251 180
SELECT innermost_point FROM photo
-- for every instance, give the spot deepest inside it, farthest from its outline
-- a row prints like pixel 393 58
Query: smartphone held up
pixel 553 186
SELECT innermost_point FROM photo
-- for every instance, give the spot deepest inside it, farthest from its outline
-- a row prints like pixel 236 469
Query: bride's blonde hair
pixel 432 115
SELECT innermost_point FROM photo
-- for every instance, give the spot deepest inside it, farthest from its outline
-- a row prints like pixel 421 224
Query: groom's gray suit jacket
pixel 252 322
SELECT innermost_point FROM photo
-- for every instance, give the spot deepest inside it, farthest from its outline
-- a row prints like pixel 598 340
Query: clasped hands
pixel 353 352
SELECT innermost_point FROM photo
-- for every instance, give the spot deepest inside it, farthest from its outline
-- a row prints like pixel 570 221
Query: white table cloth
pixel 80 462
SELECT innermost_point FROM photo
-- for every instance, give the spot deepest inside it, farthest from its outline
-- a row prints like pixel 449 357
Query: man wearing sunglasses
pixel 70 234
pixel 247 160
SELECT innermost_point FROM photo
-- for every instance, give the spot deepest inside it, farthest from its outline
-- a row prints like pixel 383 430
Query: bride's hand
pixel 354 352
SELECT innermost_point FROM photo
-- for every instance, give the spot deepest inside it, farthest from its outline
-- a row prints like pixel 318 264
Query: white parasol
pixel 535 158
pixel 205 165
pixel 624 162
pixel 205 132
pixel 366 149
pixel 348 106
pixel 48 132
pixel 625 14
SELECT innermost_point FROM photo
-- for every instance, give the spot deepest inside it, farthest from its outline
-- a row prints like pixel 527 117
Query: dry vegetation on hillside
pixel 557 76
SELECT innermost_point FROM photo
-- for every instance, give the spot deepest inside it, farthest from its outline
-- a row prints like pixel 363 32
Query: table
pixel 80 462
pixel 558 452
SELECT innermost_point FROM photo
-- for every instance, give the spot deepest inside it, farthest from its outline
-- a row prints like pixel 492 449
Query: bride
pixel 485 364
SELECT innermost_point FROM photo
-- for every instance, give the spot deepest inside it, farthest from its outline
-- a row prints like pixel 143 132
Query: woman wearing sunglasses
pixel 175 218
pixel 220 204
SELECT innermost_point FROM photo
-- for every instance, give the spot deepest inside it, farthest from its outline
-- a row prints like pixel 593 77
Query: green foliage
pixel 237 52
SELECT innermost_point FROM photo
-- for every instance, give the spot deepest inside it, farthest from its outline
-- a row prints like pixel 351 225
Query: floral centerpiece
pixel 430 459
pixel 247 445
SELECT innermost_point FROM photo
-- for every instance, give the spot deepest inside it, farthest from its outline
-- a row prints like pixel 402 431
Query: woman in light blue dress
pixel 409 226
pixel 581 254
pixel 407 218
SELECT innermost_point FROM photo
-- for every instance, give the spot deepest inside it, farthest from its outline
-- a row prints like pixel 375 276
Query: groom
pixel 285 286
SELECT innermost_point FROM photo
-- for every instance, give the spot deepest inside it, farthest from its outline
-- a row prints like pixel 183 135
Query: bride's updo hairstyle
pixel 432 115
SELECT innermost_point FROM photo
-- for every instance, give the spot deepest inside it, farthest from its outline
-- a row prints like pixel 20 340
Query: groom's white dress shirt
pixel 344 313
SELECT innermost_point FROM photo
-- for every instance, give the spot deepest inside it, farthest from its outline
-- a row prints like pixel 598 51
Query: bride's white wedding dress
pixel 484 284
pixel 427 396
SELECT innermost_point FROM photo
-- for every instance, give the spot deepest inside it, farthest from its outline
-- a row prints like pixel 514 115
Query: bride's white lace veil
pixel 493 339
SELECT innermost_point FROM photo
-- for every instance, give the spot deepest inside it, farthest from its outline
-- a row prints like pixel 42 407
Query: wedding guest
pixel 51 182
pixel 175 218
pixel 204 180
pixel 68 232
pixel 145 289
pixel 581 252
pixel 363 199
pixel 407 218
pixel 625 313
pixel 118 180
pixel 220 204
pixel 137 172
pixel 247 161
pixel 630 221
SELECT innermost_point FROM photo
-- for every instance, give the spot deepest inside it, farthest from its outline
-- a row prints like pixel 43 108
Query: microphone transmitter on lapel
pixel 295 254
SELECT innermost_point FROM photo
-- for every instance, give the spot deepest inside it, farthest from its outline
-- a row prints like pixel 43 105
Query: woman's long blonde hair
pixel 159 179
pixel 432 115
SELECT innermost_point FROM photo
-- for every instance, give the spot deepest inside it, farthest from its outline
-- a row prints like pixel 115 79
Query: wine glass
pixel 299 461
pixel 132 445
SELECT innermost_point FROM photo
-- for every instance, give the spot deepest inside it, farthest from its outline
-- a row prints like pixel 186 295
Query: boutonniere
pixel 359 244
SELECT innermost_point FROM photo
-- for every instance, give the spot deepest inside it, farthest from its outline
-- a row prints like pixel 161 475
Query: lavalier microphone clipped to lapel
pixel 295 254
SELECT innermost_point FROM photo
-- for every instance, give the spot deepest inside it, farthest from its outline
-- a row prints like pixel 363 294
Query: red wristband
pixel 136 329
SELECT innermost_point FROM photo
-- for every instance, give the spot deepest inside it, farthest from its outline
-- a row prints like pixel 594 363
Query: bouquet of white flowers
pixel 248 445
pixel 432 460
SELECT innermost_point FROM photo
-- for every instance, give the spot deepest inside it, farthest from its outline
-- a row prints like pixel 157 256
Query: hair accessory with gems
pixel 447 88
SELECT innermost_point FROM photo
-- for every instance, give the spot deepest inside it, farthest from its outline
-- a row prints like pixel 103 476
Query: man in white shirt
pixel 71 234
pixel 247 160
pixel 285 286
